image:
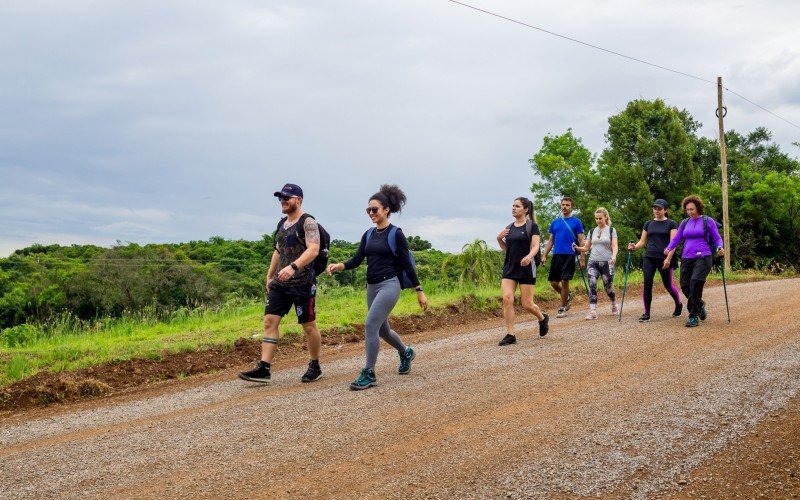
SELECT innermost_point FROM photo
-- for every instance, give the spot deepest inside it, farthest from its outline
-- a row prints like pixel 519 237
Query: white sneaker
pixel 562 313
pixel 614 308
pixel 592 315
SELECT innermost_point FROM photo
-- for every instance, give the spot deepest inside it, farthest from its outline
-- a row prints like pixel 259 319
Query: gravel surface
pixel 596 408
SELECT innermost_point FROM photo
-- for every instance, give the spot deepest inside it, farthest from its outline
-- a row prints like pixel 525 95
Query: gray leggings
pixel 381 299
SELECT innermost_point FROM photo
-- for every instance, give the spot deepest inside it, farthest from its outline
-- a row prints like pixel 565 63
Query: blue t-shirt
pixel 563 236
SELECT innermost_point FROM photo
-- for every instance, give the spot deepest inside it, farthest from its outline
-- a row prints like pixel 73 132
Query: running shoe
pixel 678 311
pixel 258 374
pixel 508 340
pixel 562 313
pixel 703 314
pixel 365 380
pixel 614 308
pixel 544 325
pixel 569 302
pixel 692 322
pixel 313 373
pixel 405 360
pixel 644 318
pixel 592 314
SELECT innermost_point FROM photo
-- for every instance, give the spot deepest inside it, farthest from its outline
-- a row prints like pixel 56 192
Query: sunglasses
pixel 373 210
pixel 284 198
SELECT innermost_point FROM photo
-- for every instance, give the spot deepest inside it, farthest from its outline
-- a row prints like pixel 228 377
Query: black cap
pixel 660 203
pixel 289 190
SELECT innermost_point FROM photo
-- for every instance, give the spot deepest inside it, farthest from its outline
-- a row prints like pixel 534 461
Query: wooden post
pixel 726 236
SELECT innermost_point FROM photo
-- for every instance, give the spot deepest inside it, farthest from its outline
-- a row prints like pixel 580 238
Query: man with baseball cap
pixel 291 282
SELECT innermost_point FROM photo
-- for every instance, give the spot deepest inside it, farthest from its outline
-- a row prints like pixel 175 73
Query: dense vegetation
pixel 653 151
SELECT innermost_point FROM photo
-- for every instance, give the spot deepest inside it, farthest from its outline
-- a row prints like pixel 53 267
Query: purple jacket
pixel 692 234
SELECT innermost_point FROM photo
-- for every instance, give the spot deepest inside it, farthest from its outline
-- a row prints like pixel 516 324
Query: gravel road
pixel 596 408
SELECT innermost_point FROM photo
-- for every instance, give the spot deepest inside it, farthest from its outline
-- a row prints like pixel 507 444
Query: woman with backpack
pixel 520 242
pixel 604 246
pixel 389 263
pixel 701 240
pixel 656 235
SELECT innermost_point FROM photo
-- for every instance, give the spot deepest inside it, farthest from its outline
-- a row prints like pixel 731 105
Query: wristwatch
pixel 294 266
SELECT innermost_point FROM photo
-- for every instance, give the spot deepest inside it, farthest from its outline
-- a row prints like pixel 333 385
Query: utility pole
pixel 726 235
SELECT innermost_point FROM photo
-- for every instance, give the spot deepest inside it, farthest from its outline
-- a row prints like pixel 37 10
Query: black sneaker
pixel 544 326
pixel 644 318
pixel 703 314
pixel 508 340
pixel 569 301
pixel 678 311
pixel 313 373
pixel 258 374
pixel 692 322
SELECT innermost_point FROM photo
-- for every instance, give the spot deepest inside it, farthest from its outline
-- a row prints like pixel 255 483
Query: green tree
pixel 476 265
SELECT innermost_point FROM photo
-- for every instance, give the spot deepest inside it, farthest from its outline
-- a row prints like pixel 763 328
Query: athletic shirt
pixel 601 244
pixel 518 245
pixel 564 233
pixel 693 235
pixel 658 236
pixel 290 246
pixel 382 264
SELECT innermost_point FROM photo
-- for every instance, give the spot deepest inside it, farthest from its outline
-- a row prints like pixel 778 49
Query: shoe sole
pixel 507 343
pixel 644 321
pixel 252 379
pixel 362 387
pixel 413 355
pixel 307 380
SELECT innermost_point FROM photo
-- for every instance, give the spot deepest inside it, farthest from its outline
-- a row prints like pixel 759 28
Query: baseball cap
pixel 660 203
pixel 289 190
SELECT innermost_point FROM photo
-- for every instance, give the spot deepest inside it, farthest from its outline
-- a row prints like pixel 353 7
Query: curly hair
pixel 701 207
pixel 390 196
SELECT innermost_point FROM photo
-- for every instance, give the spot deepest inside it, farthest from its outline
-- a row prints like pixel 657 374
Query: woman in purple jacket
pixel 701 240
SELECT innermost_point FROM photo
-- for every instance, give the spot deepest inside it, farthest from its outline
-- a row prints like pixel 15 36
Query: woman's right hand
pixel 631 247
pixel 667 262
pixel 502 234
pixel 332 268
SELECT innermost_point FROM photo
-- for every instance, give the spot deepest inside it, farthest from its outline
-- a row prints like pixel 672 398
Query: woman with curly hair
pixel 701 240
pixel 386 250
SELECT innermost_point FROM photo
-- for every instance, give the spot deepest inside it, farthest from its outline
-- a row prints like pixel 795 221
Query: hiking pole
pixel 583 276
pixel 625 283
pixel 725 290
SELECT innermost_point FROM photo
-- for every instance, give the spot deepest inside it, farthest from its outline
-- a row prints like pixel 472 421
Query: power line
pixel 619 54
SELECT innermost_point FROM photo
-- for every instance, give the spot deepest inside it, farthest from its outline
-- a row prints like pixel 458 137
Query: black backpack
pixel 537 259
pixel 320 262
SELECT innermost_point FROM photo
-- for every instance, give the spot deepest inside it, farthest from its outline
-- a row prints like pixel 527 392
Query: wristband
pixel 294 266
pixel 418 288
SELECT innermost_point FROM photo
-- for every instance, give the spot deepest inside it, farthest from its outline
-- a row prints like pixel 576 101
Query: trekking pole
pixel 725 290
pixel 625 283
pixel 583 276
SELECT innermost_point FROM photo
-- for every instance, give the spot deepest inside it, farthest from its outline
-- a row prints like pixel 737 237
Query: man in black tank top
pixel 291 282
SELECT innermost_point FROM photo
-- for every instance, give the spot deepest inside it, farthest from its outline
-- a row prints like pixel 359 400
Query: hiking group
pixel 301 254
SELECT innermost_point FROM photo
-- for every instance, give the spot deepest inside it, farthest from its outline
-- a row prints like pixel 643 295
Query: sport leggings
pixel 596 270
pixel 649 267
pixel 381 299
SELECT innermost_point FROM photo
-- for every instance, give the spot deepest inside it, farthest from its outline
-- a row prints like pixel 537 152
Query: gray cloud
pixel 170 121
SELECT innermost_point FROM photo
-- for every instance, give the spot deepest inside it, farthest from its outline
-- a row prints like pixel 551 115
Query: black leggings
pixel 649 267
pixel 693 278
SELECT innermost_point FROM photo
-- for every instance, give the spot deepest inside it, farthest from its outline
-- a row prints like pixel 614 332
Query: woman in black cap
pixel 656 235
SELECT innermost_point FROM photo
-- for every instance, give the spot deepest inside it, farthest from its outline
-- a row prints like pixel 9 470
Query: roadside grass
pixel 67 344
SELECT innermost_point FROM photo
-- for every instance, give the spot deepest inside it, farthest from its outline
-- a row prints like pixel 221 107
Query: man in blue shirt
pixel 565 231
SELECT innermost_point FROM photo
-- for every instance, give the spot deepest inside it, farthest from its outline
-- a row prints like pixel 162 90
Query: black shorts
pixel 303 298
pixel 562 267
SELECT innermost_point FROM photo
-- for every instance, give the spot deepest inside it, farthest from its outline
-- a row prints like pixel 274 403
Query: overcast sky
pixel 170 121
